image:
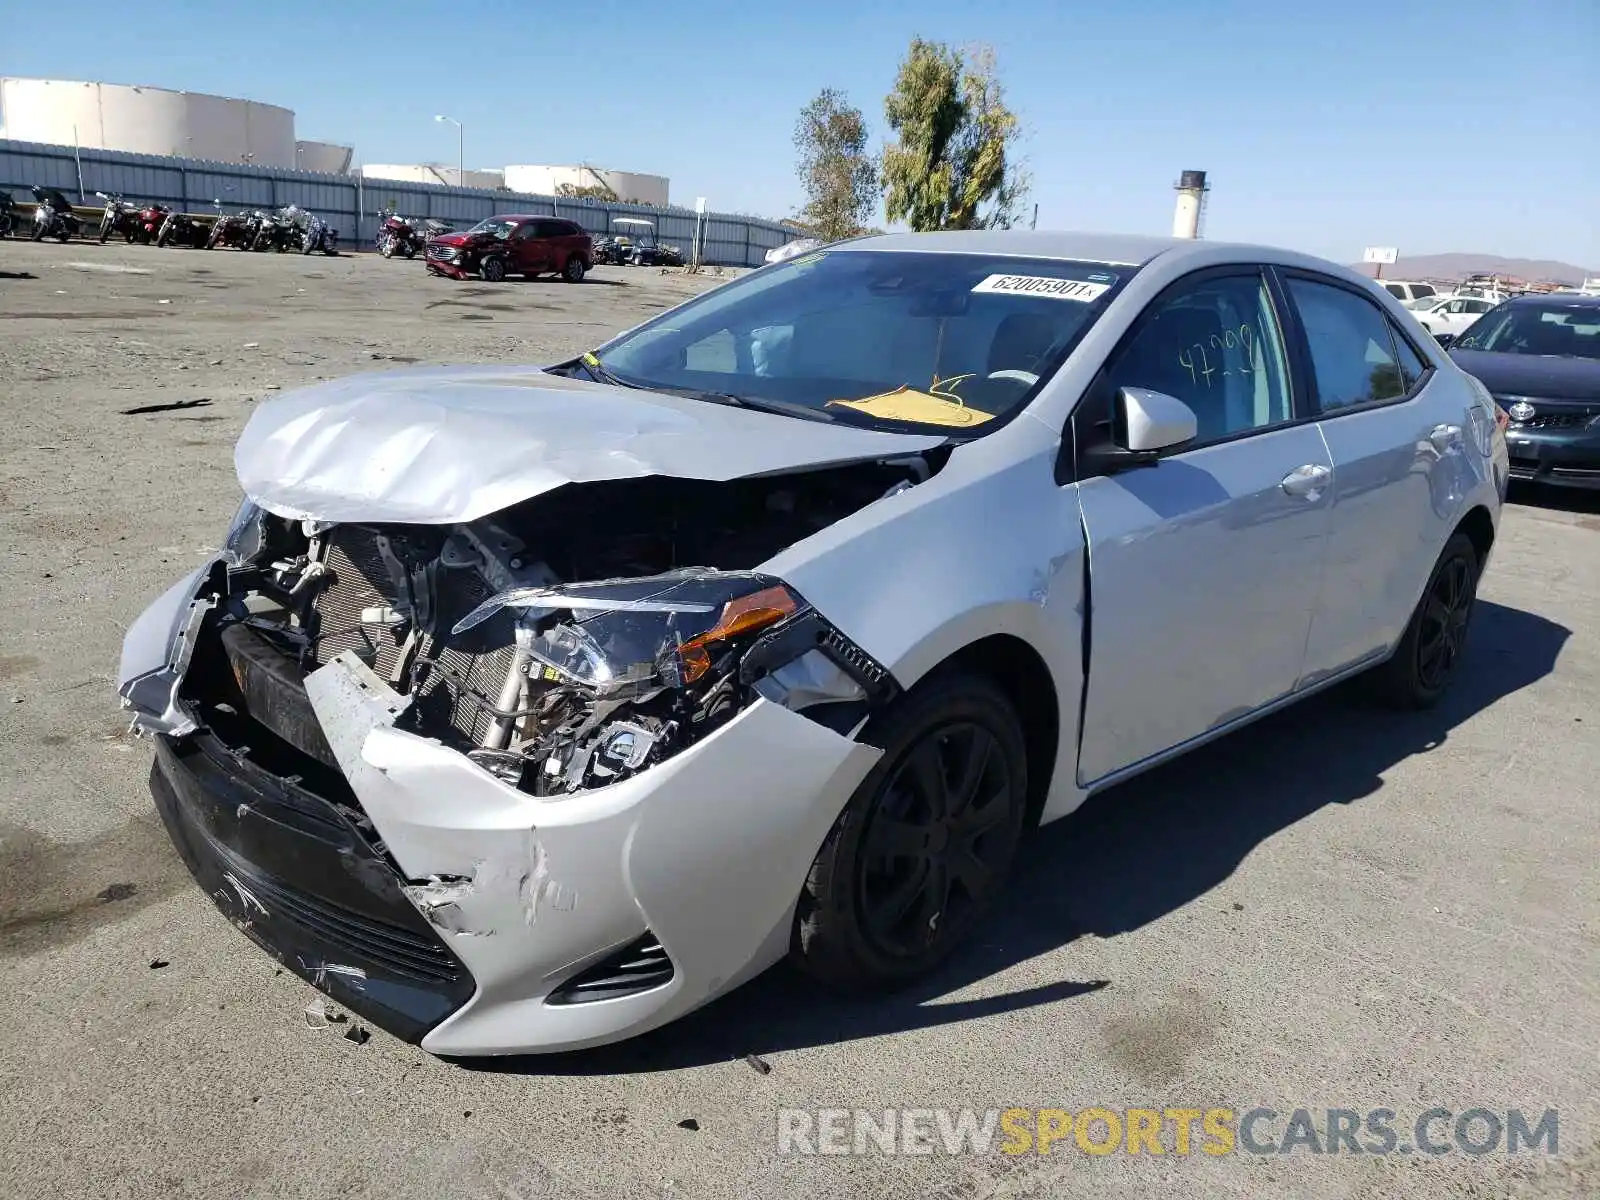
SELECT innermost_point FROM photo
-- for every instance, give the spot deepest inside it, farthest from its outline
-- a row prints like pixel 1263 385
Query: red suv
pixel 513 245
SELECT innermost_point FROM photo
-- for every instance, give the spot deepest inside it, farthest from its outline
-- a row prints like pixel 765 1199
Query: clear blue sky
pixel 1452 126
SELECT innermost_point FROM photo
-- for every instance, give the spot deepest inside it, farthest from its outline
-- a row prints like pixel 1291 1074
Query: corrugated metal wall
pixel 351 204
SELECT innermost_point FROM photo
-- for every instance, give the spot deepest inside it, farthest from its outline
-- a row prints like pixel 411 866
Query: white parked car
pixel 793 249
pixel 1405 292
pixel 1453 314
pixel 528 708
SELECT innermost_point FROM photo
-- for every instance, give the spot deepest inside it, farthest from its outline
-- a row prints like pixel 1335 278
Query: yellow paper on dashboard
pixel 908 404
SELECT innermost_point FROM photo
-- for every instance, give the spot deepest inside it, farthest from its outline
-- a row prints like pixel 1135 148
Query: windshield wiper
pixel 599 374
pixel 780 408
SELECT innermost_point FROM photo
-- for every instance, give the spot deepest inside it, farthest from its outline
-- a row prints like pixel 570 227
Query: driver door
pixel 530 248
pixel 1205 567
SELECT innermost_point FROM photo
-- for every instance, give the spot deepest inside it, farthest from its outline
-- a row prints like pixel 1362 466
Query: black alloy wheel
pixel 925 844
pixel 493 269
pixel 1430 650
pixel 1446 609
pixel 927 858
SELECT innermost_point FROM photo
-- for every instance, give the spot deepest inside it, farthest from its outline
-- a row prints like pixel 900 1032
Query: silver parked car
pixel 530 708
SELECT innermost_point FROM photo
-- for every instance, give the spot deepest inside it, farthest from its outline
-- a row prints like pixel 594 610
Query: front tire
pixel 493 269
pixel 924 845
pixel 573 270
pixel 105 231
pixel 1420 670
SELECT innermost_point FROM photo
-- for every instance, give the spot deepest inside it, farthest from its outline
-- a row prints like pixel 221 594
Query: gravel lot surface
pixel 1336 908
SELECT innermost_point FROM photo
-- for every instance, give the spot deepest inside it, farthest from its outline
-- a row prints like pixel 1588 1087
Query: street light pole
pixel 460 173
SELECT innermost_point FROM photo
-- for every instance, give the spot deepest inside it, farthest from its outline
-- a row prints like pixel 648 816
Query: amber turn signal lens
pixel 743 614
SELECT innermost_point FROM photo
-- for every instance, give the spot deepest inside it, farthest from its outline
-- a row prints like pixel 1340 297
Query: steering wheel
pixel 1027 378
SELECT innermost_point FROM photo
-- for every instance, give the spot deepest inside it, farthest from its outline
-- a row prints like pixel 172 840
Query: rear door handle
pixel 1444 436
pixel 1308 481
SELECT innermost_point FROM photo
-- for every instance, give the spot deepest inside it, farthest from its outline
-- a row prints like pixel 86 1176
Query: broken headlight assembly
pixel 612 677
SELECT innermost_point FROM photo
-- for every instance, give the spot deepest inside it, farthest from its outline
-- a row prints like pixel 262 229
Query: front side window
pixel 1395 290
pixel 1352 353
pixel 891 339
pixel 1548 327
pixel 1216 346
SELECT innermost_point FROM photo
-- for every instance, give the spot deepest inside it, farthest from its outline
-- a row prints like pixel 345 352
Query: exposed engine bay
pixel 565 643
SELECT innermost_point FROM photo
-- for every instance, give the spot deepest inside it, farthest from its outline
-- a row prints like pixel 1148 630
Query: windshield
pixel 890 339
pixel 494 225
pixel 1553 330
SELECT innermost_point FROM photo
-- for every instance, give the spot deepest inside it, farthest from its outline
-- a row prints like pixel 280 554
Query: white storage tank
pixel 433 173
pixel 146 120
pixel 627 186
pixel 328 158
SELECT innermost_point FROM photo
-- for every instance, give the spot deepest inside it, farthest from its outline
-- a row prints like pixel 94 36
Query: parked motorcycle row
pixel 289 229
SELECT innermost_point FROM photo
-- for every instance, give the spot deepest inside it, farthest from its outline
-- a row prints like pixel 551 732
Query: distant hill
pixel 1457 266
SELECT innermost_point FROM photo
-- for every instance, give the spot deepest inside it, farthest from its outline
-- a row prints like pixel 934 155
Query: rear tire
pixel 921 851
pixel 573 270
pixel 407 249
pixel 493 269
pixel 1420 670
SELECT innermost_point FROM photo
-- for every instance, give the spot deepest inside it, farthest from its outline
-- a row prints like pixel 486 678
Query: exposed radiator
pixel 456 682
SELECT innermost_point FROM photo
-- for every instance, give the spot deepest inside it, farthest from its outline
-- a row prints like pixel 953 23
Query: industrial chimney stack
pixel 1192 191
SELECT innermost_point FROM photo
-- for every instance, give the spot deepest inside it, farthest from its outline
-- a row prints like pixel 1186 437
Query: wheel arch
pixel 1020 672
pixel 1478 525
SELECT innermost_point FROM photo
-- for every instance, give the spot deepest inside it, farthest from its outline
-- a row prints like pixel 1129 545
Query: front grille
pixel 1555 420
pixel 639 966
pixel 441 253
pixel 456 683
pixel 400 951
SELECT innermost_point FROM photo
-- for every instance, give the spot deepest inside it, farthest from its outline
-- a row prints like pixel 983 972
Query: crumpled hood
pixel 443 445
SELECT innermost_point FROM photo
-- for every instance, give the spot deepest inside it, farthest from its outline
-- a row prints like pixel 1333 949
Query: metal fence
pixel 352 204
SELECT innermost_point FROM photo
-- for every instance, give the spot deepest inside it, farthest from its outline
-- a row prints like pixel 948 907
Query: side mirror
pixel 1147 421
pixel 1444 339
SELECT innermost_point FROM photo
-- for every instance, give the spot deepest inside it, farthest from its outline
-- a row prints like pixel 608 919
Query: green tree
pixel 953 164
pixel 839 176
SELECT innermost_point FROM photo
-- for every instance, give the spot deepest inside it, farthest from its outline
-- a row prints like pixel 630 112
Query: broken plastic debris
pixel 359 1034
pixel 320 1016
pixel 157 963
pixel 690 1124
pixel 760 1065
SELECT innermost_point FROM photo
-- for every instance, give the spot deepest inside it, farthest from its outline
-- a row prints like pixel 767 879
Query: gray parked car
pixel 530 708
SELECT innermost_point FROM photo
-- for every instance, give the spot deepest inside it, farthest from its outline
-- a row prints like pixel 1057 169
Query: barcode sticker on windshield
pixel 1043 285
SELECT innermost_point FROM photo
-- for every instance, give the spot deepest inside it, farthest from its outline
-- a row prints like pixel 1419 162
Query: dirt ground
pixel 1333 909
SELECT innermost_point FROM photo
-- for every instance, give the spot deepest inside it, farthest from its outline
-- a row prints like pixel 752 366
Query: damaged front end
pixel 571 643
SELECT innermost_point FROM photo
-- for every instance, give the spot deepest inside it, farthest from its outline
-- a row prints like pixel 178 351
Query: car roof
pixel 1131 250
pixel 1557 300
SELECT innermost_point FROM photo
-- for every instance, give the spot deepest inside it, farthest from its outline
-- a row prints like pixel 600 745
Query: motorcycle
pixel 310 232
pixel 231 229
pixel 53 215
pixel 180 229
pixel 402 236
pixel 119 216
pixel 147 227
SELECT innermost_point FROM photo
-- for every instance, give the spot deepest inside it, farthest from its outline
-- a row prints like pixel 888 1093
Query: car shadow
pixel 1128 857
pixel 1558 499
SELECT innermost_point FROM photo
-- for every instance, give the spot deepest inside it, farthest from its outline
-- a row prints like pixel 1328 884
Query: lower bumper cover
pixel 1564 459
pixel 302 881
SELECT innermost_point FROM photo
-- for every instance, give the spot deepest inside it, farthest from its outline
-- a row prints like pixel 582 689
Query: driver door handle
pixel 1444 436
pixel 1307 482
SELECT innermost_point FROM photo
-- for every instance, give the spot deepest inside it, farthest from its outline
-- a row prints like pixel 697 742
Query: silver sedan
pixel 529 708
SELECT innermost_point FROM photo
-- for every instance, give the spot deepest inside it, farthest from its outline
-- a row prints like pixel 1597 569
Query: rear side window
pixel 1423 289
pixel 1411 364
pixel 1395 290
pixel 1352 352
